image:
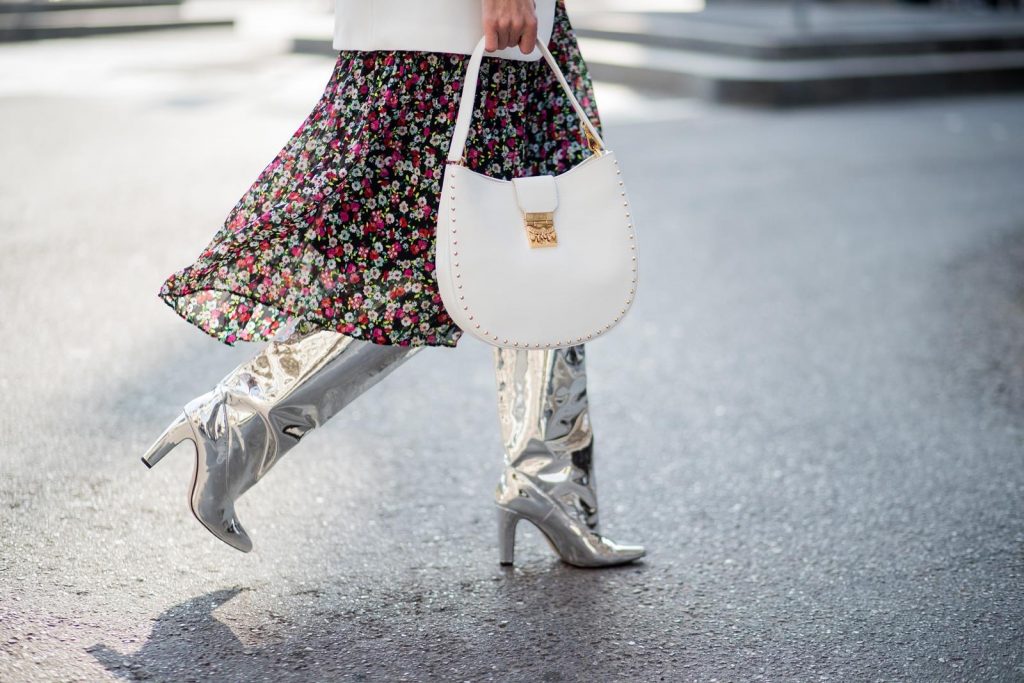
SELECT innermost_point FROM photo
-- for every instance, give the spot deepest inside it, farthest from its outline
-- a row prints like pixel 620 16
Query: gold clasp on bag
pixel 540 229
pixel 592 142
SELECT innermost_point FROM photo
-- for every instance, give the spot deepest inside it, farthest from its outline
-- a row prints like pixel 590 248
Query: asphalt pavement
pixel 813 417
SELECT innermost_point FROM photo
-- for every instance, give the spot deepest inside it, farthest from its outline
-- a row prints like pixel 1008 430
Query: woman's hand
pixel 508 23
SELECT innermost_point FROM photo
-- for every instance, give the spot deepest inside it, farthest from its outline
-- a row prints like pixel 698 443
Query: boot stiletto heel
pixel 178 431
pixel 507 521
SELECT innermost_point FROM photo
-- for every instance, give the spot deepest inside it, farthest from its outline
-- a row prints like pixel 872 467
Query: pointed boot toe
pixel 235 536
pixel 222 523
pixel 622 553
pixel 597 551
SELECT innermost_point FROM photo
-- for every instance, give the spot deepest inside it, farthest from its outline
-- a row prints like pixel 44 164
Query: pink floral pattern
pixel 337 232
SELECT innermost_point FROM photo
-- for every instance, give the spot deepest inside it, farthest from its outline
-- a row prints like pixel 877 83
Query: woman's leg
pixel 261 410
pixel 549 475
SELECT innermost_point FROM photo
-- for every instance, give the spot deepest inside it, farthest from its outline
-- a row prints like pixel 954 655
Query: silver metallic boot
pixel 549 478
pixel 260 411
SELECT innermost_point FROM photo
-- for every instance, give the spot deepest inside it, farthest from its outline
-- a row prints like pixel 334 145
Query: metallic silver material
pixel 261 410
pixel 549 476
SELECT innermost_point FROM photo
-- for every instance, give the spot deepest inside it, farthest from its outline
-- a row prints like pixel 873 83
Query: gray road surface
pixel 813 417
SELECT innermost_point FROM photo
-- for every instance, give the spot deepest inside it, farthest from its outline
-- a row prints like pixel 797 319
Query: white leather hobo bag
pixel 425 26
pixel 539 262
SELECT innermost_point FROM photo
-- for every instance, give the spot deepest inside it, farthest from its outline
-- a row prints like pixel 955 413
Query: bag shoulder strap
pixel 465 116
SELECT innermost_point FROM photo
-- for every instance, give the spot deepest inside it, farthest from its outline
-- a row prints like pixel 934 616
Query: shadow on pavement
pixel 425 628
pixel 185 636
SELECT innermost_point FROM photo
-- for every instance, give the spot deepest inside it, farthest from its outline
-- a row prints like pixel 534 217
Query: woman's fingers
pixel 528 41
pixel 505 31
pixel 508 23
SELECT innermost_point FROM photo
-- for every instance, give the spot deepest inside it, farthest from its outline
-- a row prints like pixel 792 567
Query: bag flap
pixel 536 194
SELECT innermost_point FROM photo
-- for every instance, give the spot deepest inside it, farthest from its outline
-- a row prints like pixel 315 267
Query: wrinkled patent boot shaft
pixel 549 476
pixel 261 410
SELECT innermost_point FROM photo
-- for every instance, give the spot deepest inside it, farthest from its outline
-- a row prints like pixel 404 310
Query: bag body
pixel 540 262
pixel 452 26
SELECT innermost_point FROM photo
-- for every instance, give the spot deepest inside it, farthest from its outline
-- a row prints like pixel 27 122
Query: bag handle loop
pixel 465 116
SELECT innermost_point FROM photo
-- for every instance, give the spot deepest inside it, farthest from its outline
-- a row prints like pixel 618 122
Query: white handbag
pixel 425 26
pixel 540 262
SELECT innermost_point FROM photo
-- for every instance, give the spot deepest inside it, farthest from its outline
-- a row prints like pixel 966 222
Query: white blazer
pixel 424 25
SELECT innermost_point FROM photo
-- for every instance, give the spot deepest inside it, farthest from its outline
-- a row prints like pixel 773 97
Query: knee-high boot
pixel 549 477
pixel 259 411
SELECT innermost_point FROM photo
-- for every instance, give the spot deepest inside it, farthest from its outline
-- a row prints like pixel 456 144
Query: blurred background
pixel 767 52
pixel 813 417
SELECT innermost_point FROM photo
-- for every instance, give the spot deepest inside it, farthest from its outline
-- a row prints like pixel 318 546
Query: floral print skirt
pixel 337 232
